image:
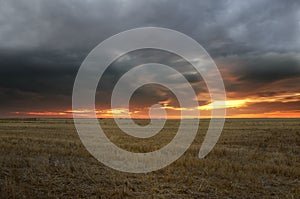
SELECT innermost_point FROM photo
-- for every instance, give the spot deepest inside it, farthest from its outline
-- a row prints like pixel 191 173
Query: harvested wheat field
pixel 254 158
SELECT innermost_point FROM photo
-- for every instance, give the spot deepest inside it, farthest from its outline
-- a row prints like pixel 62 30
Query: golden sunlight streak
pixel 236 108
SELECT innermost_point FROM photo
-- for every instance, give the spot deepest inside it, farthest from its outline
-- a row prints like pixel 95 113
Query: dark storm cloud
pixel 150 94
pixel 268 67
pixel 40 67
pixel 42 43
pixel 249 73
pixel 39 79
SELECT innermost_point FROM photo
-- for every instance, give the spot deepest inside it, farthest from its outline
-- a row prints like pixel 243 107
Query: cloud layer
pixel 255 44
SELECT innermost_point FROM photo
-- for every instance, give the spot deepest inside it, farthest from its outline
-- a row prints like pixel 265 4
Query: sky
pixel 255 44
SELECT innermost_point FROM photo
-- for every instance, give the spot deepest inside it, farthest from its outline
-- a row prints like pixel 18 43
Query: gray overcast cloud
pixel 42 43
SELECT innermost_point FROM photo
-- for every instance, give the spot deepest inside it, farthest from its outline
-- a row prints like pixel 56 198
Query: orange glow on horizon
pixel 67 114
pixel 234 107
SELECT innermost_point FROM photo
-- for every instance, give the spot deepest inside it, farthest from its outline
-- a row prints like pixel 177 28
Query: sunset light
pixel 234 109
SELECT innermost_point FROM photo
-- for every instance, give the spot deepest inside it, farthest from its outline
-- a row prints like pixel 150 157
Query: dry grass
pixel 44 158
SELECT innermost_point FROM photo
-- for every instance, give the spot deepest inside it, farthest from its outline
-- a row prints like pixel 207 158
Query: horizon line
pixel 8 118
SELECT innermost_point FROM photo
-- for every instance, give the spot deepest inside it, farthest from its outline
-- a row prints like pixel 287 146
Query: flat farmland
pixel 254 158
